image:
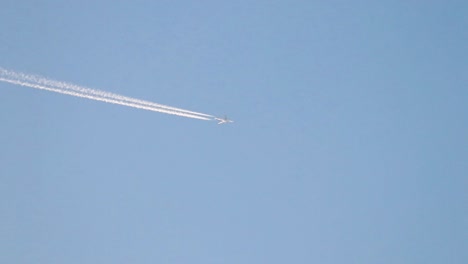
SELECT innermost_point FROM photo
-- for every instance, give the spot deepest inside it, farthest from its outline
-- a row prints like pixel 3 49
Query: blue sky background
pixel 349 143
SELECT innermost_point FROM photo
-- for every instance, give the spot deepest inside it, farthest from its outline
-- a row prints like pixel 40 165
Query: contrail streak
pixel 58 84
pixel 103 99
pixel 42 83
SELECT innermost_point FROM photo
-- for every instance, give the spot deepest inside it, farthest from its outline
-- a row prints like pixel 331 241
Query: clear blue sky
pixel 349 143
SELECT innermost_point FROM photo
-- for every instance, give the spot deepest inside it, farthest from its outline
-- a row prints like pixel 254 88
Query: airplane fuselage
pixel 223 120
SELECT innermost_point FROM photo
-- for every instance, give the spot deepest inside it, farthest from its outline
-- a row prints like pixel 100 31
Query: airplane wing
pixel 224 120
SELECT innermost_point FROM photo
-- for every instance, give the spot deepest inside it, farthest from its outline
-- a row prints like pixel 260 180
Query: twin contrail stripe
pixel 42 83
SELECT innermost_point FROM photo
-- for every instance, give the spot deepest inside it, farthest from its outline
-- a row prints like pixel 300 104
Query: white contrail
pixel 80 89
pixel 107 100
pixel 74 90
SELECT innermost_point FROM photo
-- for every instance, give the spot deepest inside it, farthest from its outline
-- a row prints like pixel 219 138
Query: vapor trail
pixel 42 83
pixel 80 89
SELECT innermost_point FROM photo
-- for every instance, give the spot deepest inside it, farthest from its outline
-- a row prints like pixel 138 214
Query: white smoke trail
pixel 107 100
pixel 58 87
pixel 80 89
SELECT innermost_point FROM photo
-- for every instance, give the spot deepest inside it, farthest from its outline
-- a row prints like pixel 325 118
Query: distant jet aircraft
pixel 224 120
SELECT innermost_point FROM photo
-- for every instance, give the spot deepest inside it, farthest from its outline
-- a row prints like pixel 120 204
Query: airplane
pixel 224 120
